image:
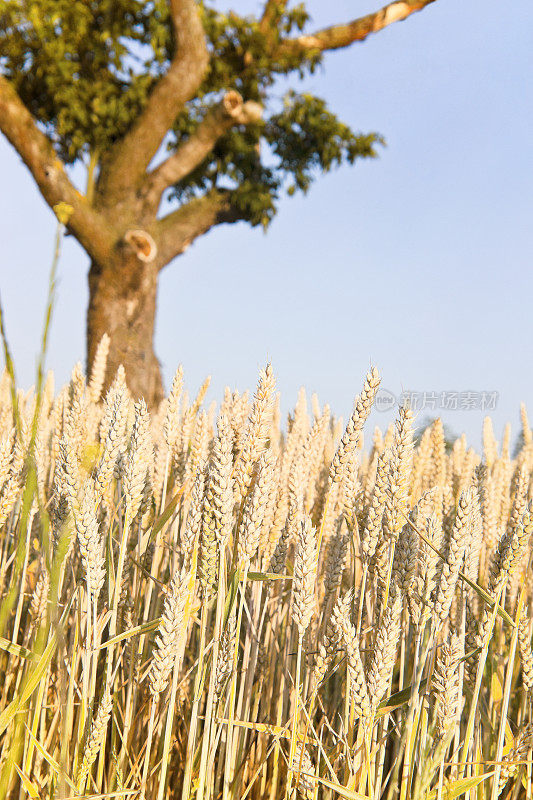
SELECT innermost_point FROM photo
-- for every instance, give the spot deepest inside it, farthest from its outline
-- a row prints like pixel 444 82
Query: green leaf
pixel 343 791
pixel 28 785
pixel 398 699
pixel 268 576
pixel 488 599
pixel 50 759
pixel 231 594
pixel 32 682
pixel 167 513
pixel 146 627
pixel 458 788
pixel 15 649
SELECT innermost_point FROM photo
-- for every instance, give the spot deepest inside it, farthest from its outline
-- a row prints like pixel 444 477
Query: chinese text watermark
pixel 449 400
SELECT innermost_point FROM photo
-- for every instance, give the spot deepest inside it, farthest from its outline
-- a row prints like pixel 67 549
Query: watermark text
pixel 449 400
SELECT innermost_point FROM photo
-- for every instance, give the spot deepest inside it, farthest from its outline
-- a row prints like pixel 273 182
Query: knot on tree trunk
pixel 241 112
pixel 232 102
pixel 142 244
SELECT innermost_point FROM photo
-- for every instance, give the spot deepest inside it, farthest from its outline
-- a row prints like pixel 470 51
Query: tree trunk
pixel 122 303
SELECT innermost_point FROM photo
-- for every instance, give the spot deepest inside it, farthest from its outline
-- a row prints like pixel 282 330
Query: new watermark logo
pixel 385 400
pixel 449 400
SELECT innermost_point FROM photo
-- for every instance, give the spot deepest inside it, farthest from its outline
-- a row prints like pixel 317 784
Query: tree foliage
pixel 84 69
pixel 167 100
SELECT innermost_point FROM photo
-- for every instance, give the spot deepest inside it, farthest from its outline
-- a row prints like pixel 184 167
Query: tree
pixel 166 101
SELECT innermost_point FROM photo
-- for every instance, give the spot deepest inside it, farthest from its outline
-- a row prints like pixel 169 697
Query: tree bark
pixel 129 158
pixel 118 225
pixel 88 226
pixel 122 303
pixel 345 34
pixel 123 289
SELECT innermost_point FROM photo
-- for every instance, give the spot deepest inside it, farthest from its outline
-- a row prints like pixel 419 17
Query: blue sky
pixel 419 262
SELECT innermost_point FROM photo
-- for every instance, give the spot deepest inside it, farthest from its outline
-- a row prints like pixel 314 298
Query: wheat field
pixel 221 604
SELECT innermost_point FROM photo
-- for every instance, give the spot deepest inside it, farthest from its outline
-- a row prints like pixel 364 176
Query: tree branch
pixel 271 13
pixel 176 232
pixel 48 171
pixel 130 157
pixel 219 119
pixel 343 35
